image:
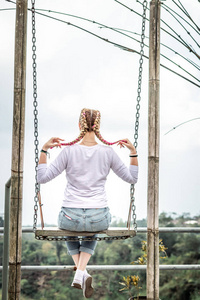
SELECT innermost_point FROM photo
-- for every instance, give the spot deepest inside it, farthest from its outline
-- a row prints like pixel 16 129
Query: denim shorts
pixel 84 219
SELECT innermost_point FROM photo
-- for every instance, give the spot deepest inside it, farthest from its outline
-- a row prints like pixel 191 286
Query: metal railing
pixel 139 229
pixel 108 268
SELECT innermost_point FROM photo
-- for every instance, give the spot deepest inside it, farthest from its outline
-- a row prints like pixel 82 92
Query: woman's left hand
pixel 53 142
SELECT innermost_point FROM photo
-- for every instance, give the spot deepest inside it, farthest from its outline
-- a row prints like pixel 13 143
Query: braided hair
pixel 89 121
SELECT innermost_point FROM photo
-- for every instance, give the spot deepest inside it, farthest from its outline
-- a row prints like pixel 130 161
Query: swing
pixel 56 234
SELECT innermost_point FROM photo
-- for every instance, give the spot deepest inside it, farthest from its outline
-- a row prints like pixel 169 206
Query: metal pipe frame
pixel 139 230
pixel 6 240
pixel 109 268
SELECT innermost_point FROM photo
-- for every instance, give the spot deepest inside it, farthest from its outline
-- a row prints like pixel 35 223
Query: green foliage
pixel 1 248
pixel 181 285
pixel 188 246
pixel 117 254
pixel 131 285
pixel 141 260
pixel 1 222
pixel 174 285
pixel 165 219
pixel 195 295
pixel 131 282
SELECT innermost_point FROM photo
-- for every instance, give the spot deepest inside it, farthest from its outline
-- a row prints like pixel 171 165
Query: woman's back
pixel 86 170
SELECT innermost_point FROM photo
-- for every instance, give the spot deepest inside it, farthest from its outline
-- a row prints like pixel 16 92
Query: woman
pixel 85 207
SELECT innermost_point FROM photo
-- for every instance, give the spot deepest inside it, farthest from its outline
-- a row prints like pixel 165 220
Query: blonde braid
pixel 83 124
pixel 83 121
pixel 86 120
pixel 97 131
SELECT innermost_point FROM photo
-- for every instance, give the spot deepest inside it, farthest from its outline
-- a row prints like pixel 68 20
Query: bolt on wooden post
pixel 15 234
pixel 153 154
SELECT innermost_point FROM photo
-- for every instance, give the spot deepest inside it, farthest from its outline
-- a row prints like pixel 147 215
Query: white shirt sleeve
pixel 46 173
pixel 129 175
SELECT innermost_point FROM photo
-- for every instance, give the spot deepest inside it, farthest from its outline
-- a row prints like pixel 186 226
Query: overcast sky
pixel 77 70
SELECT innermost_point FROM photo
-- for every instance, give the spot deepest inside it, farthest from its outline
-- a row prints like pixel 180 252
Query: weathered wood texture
pixel 112 231
pixel 153 154
pixel 15 234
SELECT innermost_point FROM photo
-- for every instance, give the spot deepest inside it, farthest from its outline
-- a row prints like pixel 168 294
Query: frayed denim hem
pixel 73 252
pixel 87 250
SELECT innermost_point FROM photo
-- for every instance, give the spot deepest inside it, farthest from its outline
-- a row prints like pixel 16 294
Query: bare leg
pixel 83 260
pixel 75 258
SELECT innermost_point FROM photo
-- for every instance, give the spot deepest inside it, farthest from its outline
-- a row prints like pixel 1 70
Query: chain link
pixel 35 112
pixel 35 104
pixel 71 239
pixel 140 74
pixel 132 188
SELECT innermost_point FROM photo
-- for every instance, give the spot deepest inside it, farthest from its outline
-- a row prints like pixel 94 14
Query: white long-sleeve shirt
pixel 86 170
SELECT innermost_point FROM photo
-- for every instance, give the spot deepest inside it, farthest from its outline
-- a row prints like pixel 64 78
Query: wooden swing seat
pixel 112 231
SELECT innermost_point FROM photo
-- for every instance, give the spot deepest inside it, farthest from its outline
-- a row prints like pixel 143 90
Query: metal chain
pixel 71 239
pixel 35 112
pixel 37 187
pixel 132 188
pixel 140 74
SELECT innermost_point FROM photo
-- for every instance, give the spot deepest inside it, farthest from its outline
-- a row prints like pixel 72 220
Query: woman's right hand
pixel 53 142
pixel 128 144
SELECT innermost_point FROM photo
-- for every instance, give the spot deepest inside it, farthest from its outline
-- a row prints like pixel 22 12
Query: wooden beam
pixel 15 234
pixel 112 231
pixel 153 154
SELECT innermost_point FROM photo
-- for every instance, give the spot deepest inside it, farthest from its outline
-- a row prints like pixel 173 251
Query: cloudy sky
pixel 76 70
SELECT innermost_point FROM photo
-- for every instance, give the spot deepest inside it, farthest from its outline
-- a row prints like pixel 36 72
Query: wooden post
pixel 153 154
pixel 17 151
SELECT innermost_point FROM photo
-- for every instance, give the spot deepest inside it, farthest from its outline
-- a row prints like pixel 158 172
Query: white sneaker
pixel 78 279
pixel 87 286
pixel 77 284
